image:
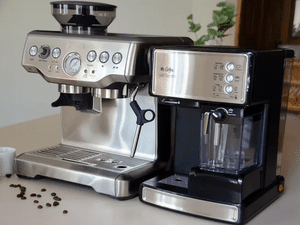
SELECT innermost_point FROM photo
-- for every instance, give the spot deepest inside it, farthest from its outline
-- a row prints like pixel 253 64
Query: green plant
pixel 222 21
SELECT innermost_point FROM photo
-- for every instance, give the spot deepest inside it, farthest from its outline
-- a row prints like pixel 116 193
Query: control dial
pixel 219 114
pixel 72 63
pixel 44 51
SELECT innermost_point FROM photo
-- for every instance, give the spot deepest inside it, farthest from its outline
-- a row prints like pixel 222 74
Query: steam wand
pixel 141 119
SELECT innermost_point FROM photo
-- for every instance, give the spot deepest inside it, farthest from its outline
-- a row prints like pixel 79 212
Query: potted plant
pixel 222 21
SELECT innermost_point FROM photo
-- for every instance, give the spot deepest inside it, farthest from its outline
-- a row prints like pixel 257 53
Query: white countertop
pixel 87 207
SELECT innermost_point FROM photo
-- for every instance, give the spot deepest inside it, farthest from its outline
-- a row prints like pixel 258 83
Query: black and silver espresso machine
pixel 225 126
pixel 109 121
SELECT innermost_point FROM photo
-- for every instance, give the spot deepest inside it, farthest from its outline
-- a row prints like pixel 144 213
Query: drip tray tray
pixel 107 173
pixel 90 158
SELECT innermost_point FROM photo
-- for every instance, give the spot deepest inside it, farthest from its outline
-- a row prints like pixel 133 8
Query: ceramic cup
pixel 7 160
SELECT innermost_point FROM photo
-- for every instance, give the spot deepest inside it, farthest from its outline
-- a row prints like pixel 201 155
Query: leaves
pixel 201 40
pixel 222 20
pixel 212 33
pixel 194 27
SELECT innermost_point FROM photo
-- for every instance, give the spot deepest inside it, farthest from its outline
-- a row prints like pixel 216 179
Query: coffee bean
pixel 19 185
pixel 40 207
pixel 23 198
pixel 19 196
pixel 12 185
pixel 36 201
pixel 55 203
pixel 43 190
pixel 65 211
pixel 33 195
pixel 57 198
pixel 48 204
pixel 8 175
pixel 53 194
pixel 38 196
pixel 23 188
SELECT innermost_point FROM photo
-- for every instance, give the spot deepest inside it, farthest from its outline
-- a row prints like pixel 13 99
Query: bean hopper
pixel 109 122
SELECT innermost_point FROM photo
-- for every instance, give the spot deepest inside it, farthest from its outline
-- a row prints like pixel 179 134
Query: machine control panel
pixel 206 76
pixel 77 61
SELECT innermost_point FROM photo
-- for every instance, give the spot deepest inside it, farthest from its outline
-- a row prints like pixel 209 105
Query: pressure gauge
pixel 72 63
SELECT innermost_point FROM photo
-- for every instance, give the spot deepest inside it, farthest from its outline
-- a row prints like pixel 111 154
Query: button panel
pixel 95 59
pixel 225 84
pixel 204 78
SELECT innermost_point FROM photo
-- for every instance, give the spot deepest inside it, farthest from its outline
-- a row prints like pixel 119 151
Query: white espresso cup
pixel 7 160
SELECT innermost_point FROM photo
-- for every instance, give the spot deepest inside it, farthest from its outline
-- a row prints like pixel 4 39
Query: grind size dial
pixel 72 63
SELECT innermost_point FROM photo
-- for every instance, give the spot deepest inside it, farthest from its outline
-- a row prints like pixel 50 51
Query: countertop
pixel 85 206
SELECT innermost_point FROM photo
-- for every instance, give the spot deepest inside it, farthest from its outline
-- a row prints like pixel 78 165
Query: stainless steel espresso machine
pixel 226 135
pixel 109 122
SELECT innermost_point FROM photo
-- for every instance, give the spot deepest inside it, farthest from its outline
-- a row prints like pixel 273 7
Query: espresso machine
pixel 227 117
pixel 109 121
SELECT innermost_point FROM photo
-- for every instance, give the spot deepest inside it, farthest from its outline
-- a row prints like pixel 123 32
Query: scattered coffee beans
pixel 65 211
pixel 48 204
pixel 23 198
pixel 38 196
pixel 33 195
pixel 55 203
pixel 36 201
pixel 43 190
pixel 40 206
pixel 53 194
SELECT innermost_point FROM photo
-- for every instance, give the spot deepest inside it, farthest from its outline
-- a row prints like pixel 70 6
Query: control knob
pixel 219 114
pixel 44 51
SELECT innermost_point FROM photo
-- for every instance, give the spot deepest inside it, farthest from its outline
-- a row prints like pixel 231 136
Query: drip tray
pixel 115 175
pixel 90 158
pixel 176 180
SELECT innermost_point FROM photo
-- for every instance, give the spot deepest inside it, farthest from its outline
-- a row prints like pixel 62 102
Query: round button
pixel 56 53
pixel 117 58
pixel 104 56
pixel 44 51
pixel 33 50
pixel 228 89
pixel 229 78
pixel 91 56
pixel 230 67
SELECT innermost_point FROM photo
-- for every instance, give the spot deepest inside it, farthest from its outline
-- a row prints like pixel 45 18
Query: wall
pixel 25 96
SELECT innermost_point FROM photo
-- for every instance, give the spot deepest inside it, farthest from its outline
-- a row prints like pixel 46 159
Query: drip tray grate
pixel 91 158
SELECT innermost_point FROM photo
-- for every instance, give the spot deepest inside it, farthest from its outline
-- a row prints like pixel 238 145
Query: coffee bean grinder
pixel 109 121
pixel 225 130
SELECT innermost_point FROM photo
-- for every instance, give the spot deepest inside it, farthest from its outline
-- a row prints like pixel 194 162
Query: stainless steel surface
pixel 199 75
pixel 97 105
pixel 193 206
pixel 206 117
pixel 113 131
pixel 89 74
pixel 71 89
pixel 108 93
pixel 106 173
pixel 131 69
pixel 135 140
